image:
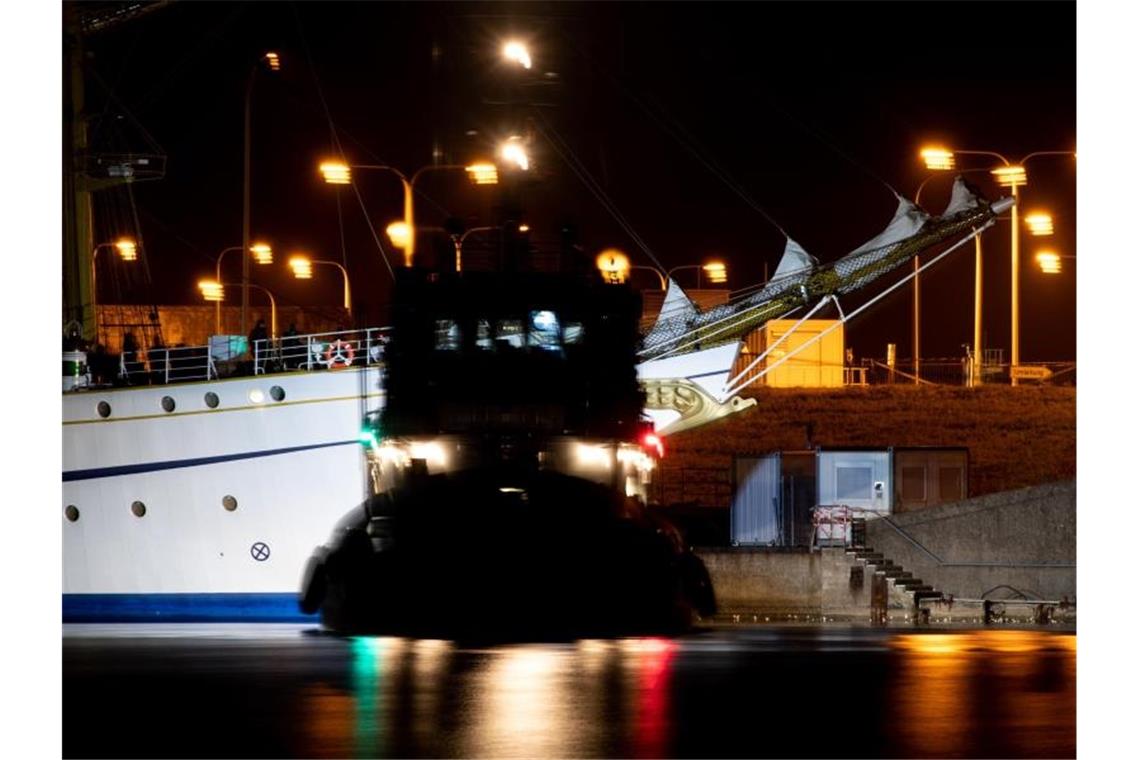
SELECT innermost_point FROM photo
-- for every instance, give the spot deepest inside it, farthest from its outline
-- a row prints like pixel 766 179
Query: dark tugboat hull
pixel 496 554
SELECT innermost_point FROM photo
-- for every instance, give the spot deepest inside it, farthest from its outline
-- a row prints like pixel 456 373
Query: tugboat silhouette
pixel 509 472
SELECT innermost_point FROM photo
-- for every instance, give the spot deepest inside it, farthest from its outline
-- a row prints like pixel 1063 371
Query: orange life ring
pixel 339 354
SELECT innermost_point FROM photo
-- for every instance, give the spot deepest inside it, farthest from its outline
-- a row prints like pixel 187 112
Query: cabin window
pixel 853 483
pixel 914 483
pixel 950 483
pixel 572 332
pixel 446 335
pixel 483 338
pixel 545 332
pixel 509 333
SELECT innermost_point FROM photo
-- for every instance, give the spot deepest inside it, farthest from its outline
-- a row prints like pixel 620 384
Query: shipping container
pixel 772 500
pixel 819 365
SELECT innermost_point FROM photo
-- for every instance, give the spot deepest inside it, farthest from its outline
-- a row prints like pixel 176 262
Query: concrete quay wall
pixel 783 582
pixel 1025 539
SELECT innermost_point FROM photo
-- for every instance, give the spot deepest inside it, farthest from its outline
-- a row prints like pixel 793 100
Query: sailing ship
pixel 201 497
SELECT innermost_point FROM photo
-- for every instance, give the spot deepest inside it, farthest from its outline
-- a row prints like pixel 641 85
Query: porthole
pixel 277 393
pixel 212 400
pixel 229 503
pixel 71 512
pixel 168 403
pixel 256 396
pixel 104 409
pixel 138 508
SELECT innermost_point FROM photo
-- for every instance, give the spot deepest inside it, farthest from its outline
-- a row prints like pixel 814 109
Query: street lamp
pixel 1050 261
pixel 614 266
pixel 215 290
pixel 302 267
pixel 128 251
pixel 262 253
pixel 1009 174
pixel 340 173
pixel 516 52
pixel 273 61
pixel 513 151
pixel 715 270
pixel 1039 223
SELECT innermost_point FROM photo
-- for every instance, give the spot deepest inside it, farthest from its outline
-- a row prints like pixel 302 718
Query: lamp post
pixel 656 271
pixel 302 267
pixel 273 61
pixel 716 271
pixel 214 290
pixel 128 251
pixel 340 173
pixel 1012 175
pixel 262 253
pixel 459 240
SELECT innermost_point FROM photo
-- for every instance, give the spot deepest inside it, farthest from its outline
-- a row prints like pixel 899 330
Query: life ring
pixel 339 354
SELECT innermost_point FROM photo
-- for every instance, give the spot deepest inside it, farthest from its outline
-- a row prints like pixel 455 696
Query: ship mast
pixel 78 240
pixel 83 172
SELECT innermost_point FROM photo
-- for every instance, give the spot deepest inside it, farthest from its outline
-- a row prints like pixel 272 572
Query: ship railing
pixel 310 352
pixel 159 366
pixel 321 351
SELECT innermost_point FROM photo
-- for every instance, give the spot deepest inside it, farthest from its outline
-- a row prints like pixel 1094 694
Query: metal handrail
pixel 286 354
pixel 942 563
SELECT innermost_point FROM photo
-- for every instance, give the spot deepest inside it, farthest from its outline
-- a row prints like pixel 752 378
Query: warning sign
pixel 1023 372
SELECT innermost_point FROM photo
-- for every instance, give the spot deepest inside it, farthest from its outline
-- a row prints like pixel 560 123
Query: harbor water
pixel 730 691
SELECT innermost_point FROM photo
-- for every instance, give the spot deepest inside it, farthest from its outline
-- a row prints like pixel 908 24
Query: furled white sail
pixel 907 221
pixel 677 306
pixel 794 259
pixel 961 198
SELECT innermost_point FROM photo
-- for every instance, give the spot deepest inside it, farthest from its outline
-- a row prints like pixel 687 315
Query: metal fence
pixel 957 372
pixel 315 351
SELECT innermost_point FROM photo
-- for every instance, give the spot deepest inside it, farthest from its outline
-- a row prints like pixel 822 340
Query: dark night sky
pixel 809 107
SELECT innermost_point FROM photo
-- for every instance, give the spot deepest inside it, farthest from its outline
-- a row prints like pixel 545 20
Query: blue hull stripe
pixel 183 608
pixel 134 469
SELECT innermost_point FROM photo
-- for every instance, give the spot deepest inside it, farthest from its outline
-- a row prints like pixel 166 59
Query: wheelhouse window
pixel 483 340
pixel 509 333
pixel 572 332
pixel 446 335
pixel 545 333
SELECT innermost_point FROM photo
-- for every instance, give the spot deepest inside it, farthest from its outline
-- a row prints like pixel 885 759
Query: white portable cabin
pixel 860 479
pixel 774 495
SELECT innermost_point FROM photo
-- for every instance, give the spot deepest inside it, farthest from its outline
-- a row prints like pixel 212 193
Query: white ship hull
pixel 293 467
pixel 211 513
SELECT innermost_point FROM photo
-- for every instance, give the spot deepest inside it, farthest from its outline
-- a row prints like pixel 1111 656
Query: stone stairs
pixel 908 591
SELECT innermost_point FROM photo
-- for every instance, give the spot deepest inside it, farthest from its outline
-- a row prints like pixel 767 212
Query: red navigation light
pixel 653 442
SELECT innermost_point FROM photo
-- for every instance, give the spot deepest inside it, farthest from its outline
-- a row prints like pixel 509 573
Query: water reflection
pixel 1001 693
pixel 650 660
pixel 754 692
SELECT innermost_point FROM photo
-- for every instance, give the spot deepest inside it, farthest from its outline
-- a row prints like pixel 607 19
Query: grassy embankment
pixel 1016 436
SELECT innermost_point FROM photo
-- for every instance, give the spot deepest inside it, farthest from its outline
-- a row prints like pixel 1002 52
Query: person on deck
pixel 131 365
pixel 291 356
pixel 259 343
